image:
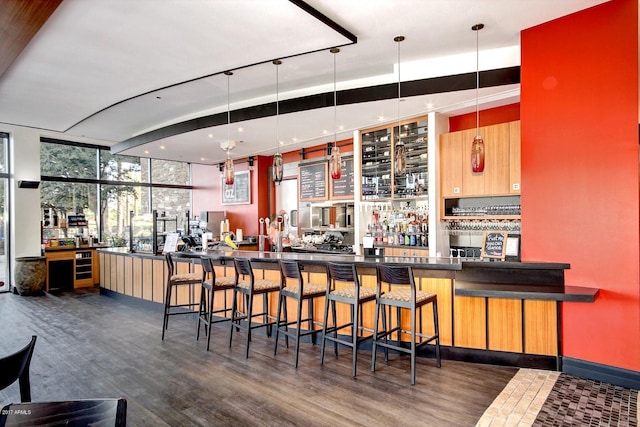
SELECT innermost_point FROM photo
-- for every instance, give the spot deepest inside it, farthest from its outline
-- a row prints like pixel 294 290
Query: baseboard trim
pixel 603 373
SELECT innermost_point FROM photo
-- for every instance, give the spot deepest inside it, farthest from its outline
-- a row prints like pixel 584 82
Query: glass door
pixel 4 210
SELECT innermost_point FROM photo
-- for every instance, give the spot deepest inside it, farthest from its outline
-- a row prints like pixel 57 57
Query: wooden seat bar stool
pixel 174 280
pixel 402 296
pixel 292 286
pixel 211 284
pixel 353 295
pixel 248 287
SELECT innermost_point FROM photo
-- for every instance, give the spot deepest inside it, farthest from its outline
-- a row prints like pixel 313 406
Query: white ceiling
pixel 106 71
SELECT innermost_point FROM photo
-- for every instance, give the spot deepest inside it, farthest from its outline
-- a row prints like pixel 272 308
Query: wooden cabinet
pixel 69 269
pixel 501 175
pixel 451 164
pixel 514 157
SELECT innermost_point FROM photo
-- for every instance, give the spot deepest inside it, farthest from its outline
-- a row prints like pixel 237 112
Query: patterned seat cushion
pixel 350 292
pixel 405 295
pixel 186 277
pixel 308 289
pixel 222 281
pixel 260 285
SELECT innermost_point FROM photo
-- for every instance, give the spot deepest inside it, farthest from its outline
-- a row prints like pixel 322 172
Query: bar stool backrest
pixel 207 268
pixel 170 265
pixel 290 270
pixel 395 275
pixel 243 268
pixel 342 272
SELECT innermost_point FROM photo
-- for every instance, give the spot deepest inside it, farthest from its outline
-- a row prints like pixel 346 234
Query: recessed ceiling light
pixel 146 151
pixel 240 129
pixel 202 159
pixel 429 105
pixel 295 139
pixel 380 118
pixel 325 132
pixel 341 127
pixel 162 147
pixel 210 135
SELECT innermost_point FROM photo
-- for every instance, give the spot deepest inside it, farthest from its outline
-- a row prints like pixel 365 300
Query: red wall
pixel 580 203
pixel 488 117
pixel 207 194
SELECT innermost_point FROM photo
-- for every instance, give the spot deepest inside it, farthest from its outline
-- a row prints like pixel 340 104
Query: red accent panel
pixel 488 117
pixel 580 192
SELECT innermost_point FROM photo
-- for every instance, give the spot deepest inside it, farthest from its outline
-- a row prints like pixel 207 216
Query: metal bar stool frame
pixel 174 280
pixel 310 291
pixel 356 296
pixel 249 289
pixel 210 285
pixel 402 276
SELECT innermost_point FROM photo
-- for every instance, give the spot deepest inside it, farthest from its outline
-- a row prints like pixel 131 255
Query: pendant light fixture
pixel 477 147
pixel 278 164
pixel 229 173
pixel 400 149
pixel 335 161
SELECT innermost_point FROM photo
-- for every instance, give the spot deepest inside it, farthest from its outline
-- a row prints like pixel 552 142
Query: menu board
pixel 493 244
pixel 239 193
pixel 343 188
pixel 313 182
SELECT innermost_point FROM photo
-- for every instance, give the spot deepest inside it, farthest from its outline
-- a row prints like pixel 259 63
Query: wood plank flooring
pixel 92 346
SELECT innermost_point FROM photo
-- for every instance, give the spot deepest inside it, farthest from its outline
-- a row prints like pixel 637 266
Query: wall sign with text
pixel 343 188
pixel 240 192
pixel 313 182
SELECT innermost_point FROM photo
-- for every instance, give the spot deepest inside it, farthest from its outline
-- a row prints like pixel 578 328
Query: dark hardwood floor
pixel 91 346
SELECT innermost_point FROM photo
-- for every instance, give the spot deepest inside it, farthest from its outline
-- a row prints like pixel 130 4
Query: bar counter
pixel 492 312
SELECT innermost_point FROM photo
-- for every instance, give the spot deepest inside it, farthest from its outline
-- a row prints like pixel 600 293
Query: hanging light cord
pixel 398 39
pixel 335 103
pixel 477 80
pixel 477 29
pixel 228 73
pixel 277 63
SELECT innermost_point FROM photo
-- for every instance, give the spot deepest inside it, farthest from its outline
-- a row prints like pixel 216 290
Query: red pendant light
pixel 400 151
pixel 335 161
pixel 477 146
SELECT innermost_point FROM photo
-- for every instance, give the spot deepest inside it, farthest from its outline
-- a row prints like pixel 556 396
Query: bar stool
pixel 250 288
pixel 290 271
pixel 174 280
pixel 210 285
pixel 354 295
pixel 411 299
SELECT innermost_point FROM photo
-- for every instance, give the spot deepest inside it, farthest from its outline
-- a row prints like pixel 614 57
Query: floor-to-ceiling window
pixel 4 216
pixel 107 189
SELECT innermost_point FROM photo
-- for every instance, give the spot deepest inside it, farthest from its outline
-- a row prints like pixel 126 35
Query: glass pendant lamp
pixel 229 173
pixel 477 146
pixel 335 161
pixel 400 149
pixel 278 164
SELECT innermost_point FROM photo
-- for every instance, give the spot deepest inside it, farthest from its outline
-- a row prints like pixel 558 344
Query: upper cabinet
pixel 501 174
pixel 380 179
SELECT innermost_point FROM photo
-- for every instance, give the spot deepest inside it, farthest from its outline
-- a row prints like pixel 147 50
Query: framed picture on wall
pixel 240 192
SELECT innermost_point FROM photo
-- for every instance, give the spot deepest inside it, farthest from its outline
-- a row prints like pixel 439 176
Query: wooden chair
pixel 353 295
pixel 16 367
pixel 175 280
pixel 210 285
pixel 402 296
pixel 248 287
pixel 290 271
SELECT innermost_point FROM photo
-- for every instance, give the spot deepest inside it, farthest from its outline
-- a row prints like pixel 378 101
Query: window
pixel 108 189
